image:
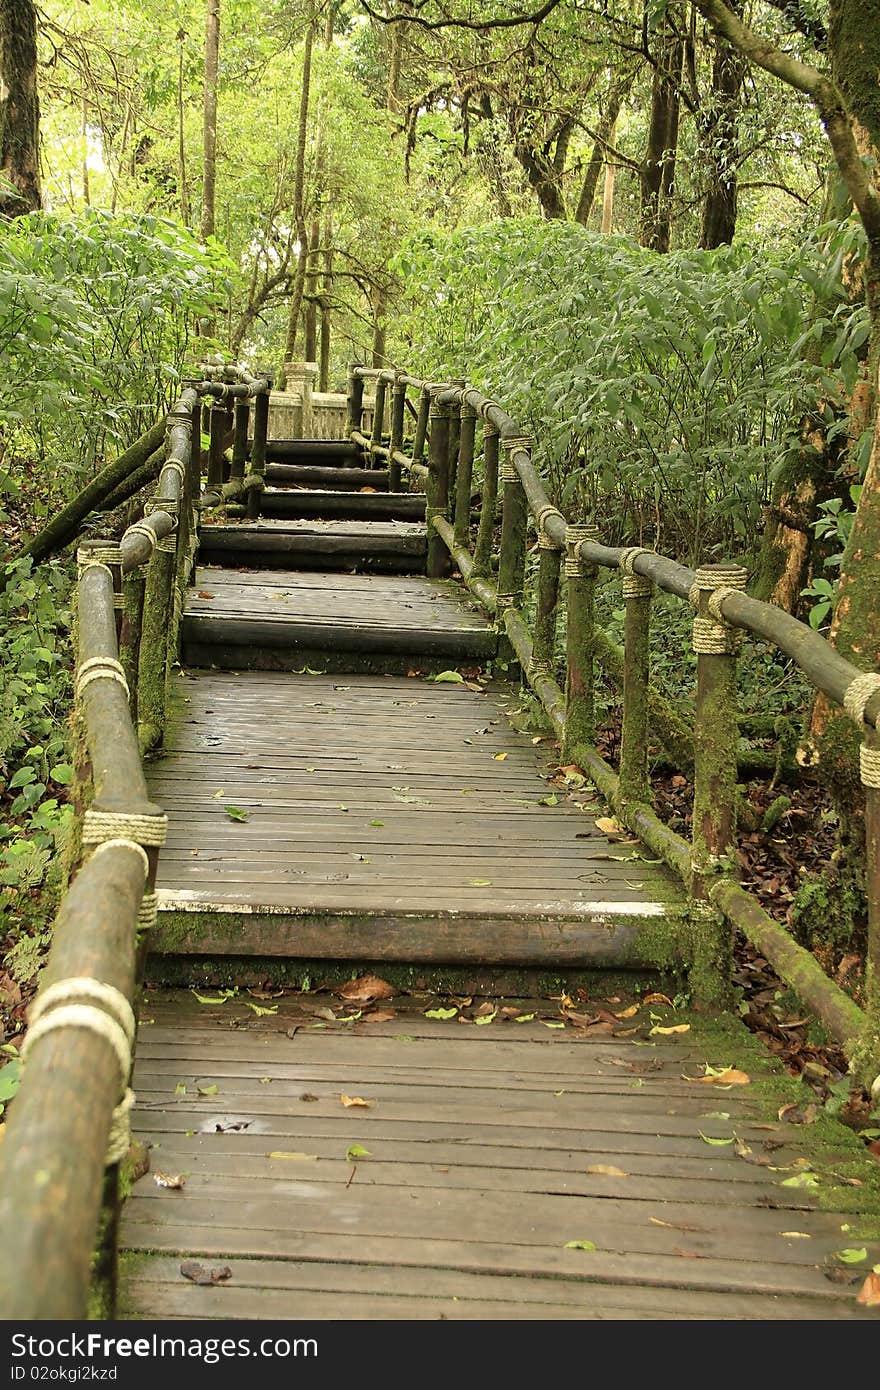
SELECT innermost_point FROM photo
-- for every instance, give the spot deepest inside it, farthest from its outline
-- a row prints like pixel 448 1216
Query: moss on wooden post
pixel 454 441
pixel 489 502
pixel 716 740
pixel 464 475
pixel 580 612
pixel 437 501
pixel 355 399
pixel 544 645
pixel 258 451
pixel 152 666
pixel 398 409
pixel 868 1056
pixel 637 592
pixel 130 637
pixel 378 421
pixel 242 414
pixel 514 525
pixel 421 432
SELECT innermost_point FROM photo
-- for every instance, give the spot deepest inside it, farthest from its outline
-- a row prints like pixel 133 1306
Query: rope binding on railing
pixel 98 668
pixel 713 636
pixel 99 826
pixel 575 532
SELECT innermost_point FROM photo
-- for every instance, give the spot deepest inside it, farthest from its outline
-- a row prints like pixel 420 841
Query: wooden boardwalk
pixel 490 1148
pixel 398 817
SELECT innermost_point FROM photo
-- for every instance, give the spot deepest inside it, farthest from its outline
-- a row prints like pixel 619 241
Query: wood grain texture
pixel 489 1149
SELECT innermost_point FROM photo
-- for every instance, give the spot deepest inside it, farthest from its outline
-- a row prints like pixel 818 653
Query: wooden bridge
pixel 343 784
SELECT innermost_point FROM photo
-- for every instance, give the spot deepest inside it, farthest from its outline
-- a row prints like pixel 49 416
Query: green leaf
pixel 551 800
pixel 851 1256
pixel 480 882
pixel 524 1018
pixel 355 1151
pixel 707 1139
pixel 579 1245
pixel 62 773
pixel 209 1090
pixel 485 1018
pixel 551 1023
pixel 809 1180
pixel 259 1009
pixel 440 1013
pixel 213 998
pixel 450 677
pixel 236 813
pixel 10 1079
pixel 377 822
pixel 180 1088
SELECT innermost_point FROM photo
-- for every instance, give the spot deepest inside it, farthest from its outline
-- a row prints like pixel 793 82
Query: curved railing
pixel 68 1132
pixel 440 457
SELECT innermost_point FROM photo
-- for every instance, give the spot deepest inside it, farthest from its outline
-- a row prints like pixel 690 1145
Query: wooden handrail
pixel 721 611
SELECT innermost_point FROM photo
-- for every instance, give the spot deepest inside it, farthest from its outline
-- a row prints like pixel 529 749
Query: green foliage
pixel 97 314
pixel 663 391
pixel 34 698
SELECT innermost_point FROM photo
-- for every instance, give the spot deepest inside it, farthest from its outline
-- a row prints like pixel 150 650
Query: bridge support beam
pixel 438 487
pixel 579 691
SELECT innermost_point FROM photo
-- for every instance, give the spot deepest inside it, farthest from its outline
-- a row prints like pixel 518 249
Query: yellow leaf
pixel 628 1013
pixel 356 1100
pixel 499 757
pixel 674 1028
pixel 727 1076
pixel 608 825
pixel 796 1235
pixel 869 1293
pixel 606 1170
pixel 296 1157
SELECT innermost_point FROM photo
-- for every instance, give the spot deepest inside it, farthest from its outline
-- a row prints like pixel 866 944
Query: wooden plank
pixel 591 1298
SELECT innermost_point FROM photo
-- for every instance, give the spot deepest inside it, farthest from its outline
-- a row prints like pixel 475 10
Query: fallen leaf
pixel 499 757
pixel 608 825
pixel 487 1007
pixel 356 1151
pixel 707 1139
pixel 366 988
pixel 869 1293
pixel 579 1245
pixel 293 1157
pixel 851 1256
pixel 261 1009
pixel 809 1180
pixel 327 1014
pixel 673 1028
pixel 628 1013
pixel 446 678
pixel 724 1076
pixel 175 1181
pixel 219 794
pixel 485 1018
pixel 480 882
pixel 198 1274
pixel 212 998
pixel 441 1013
pixel 236 813
pixel 203 593
pixel 551 1023
pixel 180 1088
pixel 524 1018
pixel 379 1016
pixel 657 999
pixel 209 1090
pixel 356 1100
pixel 796 1235
pixel 377 822
pixel 606 1170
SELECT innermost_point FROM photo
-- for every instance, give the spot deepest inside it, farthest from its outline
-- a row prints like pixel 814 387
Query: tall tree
pixel 719 138
pixel 299 181
pixel 657 176
pixel 209 132
pixel 19 108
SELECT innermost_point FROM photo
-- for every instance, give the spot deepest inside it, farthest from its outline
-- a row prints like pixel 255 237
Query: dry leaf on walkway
pixel 198 1274
pixel 379 1016
pixel 367 987
pixel 175 1181
pixel 605 1170
pixel 356 1100
pixel 724 1076
pixel 293 1157
pixel 673 1028
pixel 869 1293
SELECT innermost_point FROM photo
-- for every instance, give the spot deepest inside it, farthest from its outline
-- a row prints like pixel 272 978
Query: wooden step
pixel 335 452
pixel 276 620
pixel 339 479
pixel 343 506
pixel 384 547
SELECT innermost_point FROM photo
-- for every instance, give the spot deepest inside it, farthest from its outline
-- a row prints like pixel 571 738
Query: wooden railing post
pixel 488 502
pixel 580 720
pixel 398 410
pixel 454 441
pixel 242 413
pixel 547 598
pixel 464 474
pixel 514 525
pixel 153 658
pixel 870 768
pixel 716 739
pixel 355 399
pixel 437 501
pixel 258 451
pixel 421 431
pixel 637 594
pixel 378 421
pixel 219 427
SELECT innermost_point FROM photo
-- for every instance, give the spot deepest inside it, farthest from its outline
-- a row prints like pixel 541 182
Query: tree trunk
pixel 608 200
pixel 299 278
pixel 19 109
pixel 181 140
pixel 617 93
pixel 720 140
pixel 311 291
pixel 326 311
pixel 212 61
pixel 380 332
pixel 657 177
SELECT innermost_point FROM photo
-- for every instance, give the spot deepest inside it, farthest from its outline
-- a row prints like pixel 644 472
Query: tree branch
pixel 825 96
pixel 512 21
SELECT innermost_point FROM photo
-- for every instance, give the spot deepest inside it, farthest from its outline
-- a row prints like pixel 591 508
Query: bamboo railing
pixel 67 1139
pixel 491 561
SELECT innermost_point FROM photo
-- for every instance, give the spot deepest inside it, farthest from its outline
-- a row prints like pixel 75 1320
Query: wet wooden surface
pixel 490 1148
